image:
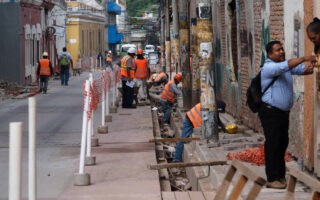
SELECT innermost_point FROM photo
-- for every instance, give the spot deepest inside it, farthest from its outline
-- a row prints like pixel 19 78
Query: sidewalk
pixel 122 158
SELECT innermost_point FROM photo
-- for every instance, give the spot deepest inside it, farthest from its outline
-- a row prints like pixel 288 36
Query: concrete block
pixel 90 160
pixel 249 132
pixel 113 109
pixel 94 141
pixel 103 129
pixel 233 147
pixel 108 118
pixel 141 103
pixel 81 179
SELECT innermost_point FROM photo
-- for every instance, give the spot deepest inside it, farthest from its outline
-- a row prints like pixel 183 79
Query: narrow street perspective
pixel 160 99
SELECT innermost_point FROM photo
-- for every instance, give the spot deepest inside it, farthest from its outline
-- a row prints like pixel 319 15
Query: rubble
pixel 11 90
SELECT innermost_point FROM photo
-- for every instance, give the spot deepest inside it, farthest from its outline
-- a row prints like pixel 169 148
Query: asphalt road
pixel 58 140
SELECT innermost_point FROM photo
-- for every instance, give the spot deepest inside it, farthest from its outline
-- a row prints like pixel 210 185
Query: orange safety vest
pixel 124 66
pixel 167 94
pixel 195 115
pixel 45 67
pixel 160 77
pixel 109 58
pixel 142 68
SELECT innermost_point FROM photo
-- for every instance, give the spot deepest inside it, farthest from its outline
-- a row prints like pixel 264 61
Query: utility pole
pixel 194 48
pixel 184 52
pixel 168 42
pixel 162 36
pixel 176 36
pixel 209 127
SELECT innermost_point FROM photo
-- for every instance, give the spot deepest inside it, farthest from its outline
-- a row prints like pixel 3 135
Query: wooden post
pixel 176 36
pixel 209 112
pixel 168 41
pixel 185 54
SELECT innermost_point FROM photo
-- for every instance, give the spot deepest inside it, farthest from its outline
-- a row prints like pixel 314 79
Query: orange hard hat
pixel 178 77
pixel 140 51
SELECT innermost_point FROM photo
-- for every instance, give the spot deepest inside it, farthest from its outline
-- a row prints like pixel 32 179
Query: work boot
pixel 283 181
pixel 40 90
pixel 276 185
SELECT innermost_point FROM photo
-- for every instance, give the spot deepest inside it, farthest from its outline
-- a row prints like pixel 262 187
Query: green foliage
pixel 137 7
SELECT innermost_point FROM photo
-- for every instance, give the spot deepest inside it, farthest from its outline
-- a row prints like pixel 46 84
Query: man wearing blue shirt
pixel 276 104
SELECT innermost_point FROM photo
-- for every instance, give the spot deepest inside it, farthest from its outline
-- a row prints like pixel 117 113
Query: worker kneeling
pixel 193 120
pixel 168 97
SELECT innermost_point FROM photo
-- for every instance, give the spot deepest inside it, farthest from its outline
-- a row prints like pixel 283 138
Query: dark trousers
pixel 43 83
pixel 127 96
pixel 275 125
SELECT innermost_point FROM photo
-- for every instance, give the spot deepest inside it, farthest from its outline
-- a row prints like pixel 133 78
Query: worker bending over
pixel 168 97
pixel 161 78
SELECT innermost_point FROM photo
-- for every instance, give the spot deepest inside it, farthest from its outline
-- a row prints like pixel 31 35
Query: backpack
pixel 64 60
pixel 254 93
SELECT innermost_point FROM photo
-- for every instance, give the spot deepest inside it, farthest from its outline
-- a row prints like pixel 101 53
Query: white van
pixel 148 48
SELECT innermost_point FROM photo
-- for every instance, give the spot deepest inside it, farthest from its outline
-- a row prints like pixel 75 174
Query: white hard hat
pixel 110 51
pixel 132 50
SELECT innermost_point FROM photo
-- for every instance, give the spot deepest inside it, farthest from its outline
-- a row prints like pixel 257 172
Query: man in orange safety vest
pixel 127 71
pixel 142 74
pixel 44 70
pixel 167 98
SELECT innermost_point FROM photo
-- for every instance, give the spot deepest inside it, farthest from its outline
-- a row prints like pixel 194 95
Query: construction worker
pixel 65 60
pixel 161 78
pixel 193 120
pixel 142 74
pixel 127 71
pixel 167 98
pixel 44 71
pixel 109 60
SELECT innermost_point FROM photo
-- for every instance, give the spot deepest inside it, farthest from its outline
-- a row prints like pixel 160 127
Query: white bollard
pixel 114 93
pixel 100 63
pixel 32 148
pixel 84 128
pixel 15 161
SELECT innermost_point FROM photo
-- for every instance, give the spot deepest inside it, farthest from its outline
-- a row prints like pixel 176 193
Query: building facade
pixel 85 31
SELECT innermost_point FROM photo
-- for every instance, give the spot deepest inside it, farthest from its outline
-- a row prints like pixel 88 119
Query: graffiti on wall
pixel 265 39
pixel 207 88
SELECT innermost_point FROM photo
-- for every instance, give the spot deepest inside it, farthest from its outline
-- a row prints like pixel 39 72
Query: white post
pixel 103 105
pixel 92 112
pixel 100 62
pixel 32 148
pixel 89 138
pixel 107 102
pixel 114 91
pixel 84 128
pixel 15 160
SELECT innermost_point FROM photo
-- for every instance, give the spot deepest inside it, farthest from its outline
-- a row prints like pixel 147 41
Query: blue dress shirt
pixel 280 94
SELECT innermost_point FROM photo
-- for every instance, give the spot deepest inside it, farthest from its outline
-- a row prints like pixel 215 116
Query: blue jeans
pixel 64 75
pixel 166 109
pixel 187 130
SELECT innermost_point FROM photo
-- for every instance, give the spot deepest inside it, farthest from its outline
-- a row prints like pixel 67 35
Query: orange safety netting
pixel 253 155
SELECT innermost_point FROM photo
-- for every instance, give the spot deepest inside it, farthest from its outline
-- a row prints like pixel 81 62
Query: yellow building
pixel 85 29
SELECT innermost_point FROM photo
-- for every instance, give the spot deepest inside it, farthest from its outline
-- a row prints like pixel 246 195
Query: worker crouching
pixel 44 71
pixel 168 97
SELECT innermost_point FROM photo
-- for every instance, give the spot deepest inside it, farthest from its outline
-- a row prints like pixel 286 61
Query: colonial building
pixel 85 31
pixel 25 34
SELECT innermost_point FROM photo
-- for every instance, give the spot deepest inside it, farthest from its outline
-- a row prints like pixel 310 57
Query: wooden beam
pixel 305 178
pixel 191 164
pixel 172 139
pixel 247 172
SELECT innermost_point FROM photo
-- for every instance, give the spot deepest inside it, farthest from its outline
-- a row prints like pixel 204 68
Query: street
pixel 58 140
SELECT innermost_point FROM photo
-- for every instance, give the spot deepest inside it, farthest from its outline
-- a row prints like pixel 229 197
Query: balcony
pixel 114 8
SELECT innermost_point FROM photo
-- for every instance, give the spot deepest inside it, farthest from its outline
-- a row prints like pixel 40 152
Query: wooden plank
pixel 291 185
pixel 168 196
pixel 173 139
pixel 196 195
pixel 237 189
pixel 182 196
pixel 254 191
pixel 249 173
pixel 315 196
pixel 190 164
pixel 305 178
pixel 221 193
pixel 209 195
